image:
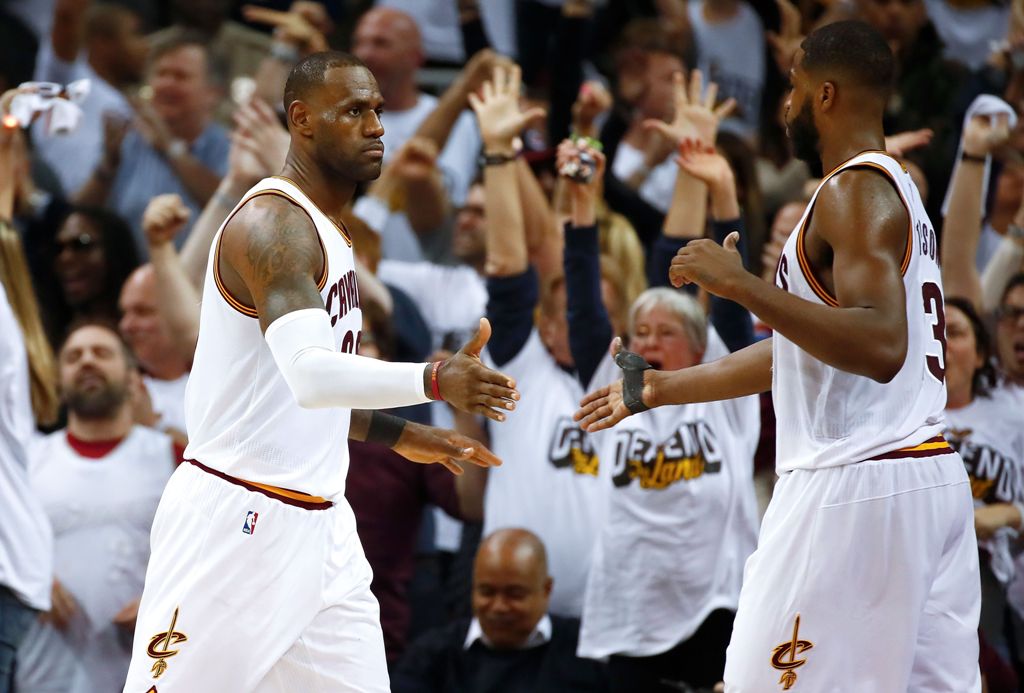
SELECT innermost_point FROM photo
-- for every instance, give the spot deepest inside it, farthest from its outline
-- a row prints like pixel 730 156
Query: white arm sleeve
pixel 302 343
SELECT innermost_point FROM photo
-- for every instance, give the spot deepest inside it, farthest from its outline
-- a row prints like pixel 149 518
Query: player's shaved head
pixel 852 53
pixel 310 74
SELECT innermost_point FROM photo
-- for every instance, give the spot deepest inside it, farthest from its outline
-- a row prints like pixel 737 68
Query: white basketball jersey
pixel 242 418
pixel 828 417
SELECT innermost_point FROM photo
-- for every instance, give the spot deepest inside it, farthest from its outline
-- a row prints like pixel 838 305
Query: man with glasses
pixel 1010 333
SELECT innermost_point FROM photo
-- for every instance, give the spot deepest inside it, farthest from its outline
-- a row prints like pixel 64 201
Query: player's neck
pixel 331 194
pixel 114 427
pixel 848 146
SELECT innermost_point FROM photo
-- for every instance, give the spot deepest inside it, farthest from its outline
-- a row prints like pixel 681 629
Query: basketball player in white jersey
pixel 865 579
pixel 257 580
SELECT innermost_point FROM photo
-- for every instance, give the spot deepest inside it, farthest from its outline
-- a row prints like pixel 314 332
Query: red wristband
pixel 435 385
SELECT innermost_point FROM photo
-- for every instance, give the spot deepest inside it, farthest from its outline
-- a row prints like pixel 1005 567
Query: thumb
pixel 535 113
pixel 616 347
pixel 479 339
pixel 730 242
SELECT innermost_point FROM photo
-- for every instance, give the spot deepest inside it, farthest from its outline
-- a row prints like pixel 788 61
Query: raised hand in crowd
pixel 115 127
pixel 259 144
pixel 151 125
pixel 592 101
pixel 703 162
pixel 582 166
pixel 416 160
pixel 465 383
pixel 498 113
pixel 164 217
pixel 695 113
pixel 786 42
pixel 301 27
pixel 902 143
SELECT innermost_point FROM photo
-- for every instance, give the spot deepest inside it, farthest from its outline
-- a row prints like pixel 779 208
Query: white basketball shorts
pixel 865 580
pixel 246 591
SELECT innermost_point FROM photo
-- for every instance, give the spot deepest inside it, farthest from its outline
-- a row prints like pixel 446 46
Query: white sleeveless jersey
pixel 242 418
pixel 828 417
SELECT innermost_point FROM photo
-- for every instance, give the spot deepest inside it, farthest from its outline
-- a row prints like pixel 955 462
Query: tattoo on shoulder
pixel 286 244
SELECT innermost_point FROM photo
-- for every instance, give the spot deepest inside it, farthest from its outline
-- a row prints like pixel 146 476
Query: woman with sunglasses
pixel 91 256
pixel 983 424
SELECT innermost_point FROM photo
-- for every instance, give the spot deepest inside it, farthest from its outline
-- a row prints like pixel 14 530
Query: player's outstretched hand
pixel 467 384
pixel 718 269
pixel 430 445
pixel 605 407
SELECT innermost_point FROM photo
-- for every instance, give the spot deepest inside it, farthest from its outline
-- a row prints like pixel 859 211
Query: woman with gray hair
pixel 681 519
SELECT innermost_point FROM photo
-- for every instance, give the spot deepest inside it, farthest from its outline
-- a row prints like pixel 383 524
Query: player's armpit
pixel 270 258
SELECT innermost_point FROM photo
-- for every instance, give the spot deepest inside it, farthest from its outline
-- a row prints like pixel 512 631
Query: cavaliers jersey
pixel 829 417
pixel 241 416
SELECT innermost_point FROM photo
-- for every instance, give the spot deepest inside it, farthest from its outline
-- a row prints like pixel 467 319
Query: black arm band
pixel 385 429
pixel 633 367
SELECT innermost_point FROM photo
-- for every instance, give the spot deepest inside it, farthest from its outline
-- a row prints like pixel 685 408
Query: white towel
pixel 984 105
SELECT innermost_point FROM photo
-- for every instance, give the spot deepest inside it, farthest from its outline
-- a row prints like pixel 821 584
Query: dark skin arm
pixel 419 443
pixel 856 241
pixel 271 258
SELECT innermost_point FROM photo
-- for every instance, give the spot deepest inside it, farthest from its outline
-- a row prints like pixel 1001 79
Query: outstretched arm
pixel 271 258
pixel 419 443
pixel 745 372
pixel 865 333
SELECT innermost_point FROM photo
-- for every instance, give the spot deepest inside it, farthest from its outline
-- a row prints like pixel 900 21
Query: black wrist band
pixel 633 366
pixel 972 157
pixel 385 429
pixel 495 159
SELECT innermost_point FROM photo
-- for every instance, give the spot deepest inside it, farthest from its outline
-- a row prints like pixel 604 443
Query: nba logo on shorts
pixel 249 527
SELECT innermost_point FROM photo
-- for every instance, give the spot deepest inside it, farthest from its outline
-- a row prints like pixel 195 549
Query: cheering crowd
pixel 544 163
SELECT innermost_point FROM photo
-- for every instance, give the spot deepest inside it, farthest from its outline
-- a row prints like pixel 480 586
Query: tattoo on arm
pixel 277 255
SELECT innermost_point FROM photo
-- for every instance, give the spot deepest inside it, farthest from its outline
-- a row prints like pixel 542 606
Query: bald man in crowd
pixel 389 42
pixel 165 368
pixel 512 645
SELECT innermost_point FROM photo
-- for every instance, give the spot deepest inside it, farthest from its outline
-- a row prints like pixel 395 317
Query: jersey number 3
pixel 933 307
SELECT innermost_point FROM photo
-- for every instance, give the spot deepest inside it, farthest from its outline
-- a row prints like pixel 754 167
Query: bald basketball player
pixel 865 578
pixel 257 580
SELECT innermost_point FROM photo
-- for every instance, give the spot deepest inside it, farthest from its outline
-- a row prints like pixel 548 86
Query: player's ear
pixel 300 118
pixel 826 95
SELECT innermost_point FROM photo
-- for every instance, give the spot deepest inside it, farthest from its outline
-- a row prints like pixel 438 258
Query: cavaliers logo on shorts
pixel 160 646
pixel 784 657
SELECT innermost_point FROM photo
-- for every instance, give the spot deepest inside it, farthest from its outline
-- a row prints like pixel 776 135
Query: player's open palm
pixel 605 407
pixel 718 269
pixel 467 384
pixel 497 107
pixel 430 445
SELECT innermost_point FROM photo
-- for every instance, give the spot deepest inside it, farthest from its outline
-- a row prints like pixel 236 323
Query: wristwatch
pixel 176 149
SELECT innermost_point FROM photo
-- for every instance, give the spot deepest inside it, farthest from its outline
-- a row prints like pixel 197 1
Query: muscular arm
pixel 861 218
pixel 744 372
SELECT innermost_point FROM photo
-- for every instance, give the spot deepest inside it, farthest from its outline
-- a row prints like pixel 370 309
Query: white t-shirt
pixel 552 483
pixel 457 162
pixel 84 146
pixel 438 21
pixel 168 398
pixel 26 543
pixel 657 189
pixel 681 521
pixel 451 299
pixel 101 510
pixel 731 54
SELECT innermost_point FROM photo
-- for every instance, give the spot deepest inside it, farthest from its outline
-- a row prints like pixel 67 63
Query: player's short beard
pixel 94 405
pixel 805 136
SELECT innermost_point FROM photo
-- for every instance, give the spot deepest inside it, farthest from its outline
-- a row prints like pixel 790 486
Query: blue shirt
pixel 144 173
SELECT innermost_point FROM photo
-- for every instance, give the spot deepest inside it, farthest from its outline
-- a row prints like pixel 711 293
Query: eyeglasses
pixel 1009 313
pixel 79 243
